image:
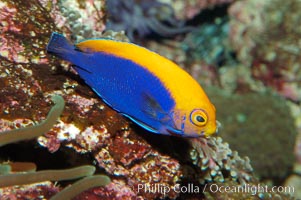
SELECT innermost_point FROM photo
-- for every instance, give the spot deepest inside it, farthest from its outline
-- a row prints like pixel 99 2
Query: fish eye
pixel 198 117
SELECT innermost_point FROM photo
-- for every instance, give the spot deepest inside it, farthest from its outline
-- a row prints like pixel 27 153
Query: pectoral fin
pixel 152 108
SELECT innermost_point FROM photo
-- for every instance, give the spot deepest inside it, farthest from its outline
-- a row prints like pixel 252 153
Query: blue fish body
pixel 121 83
pixel 134 90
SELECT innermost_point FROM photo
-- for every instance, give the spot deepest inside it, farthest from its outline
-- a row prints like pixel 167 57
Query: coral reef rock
pixel 190 8
pixel 266 36
pixel 259 126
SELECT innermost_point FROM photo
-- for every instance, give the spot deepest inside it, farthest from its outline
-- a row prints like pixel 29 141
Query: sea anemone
pixel 143 17
pixel 12 179
pixel 16 135
pixel 9 178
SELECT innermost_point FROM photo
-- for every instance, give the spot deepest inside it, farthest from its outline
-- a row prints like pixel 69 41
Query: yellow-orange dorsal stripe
pixel 183 88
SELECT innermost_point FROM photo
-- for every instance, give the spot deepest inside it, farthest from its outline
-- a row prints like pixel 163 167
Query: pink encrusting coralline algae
pixel 274 55
pixel 190 8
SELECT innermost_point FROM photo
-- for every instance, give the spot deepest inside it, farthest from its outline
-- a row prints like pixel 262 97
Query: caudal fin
pixel 60 46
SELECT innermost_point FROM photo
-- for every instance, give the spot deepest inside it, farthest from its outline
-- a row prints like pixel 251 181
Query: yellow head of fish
pixel 196 120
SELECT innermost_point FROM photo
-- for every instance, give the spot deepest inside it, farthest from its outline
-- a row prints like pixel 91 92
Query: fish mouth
pixel 211 130
pixel 202 133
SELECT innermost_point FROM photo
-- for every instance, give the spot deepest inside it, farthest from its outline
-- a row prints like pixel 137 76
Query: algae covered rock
pixel 274 56
pixel 258 126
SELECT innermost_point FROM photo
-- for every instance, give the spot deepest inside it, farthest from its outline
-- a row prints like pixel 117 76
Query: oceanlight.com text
pixel 251 189
pixel 213 188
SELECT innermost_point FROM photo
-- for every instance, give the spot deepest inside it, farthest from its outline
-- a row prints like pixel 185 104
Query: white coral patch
pixel 67 131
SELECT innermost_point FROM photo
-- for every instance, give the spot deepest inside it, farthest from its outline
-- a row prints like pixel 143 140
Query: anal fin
pixel 145 126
